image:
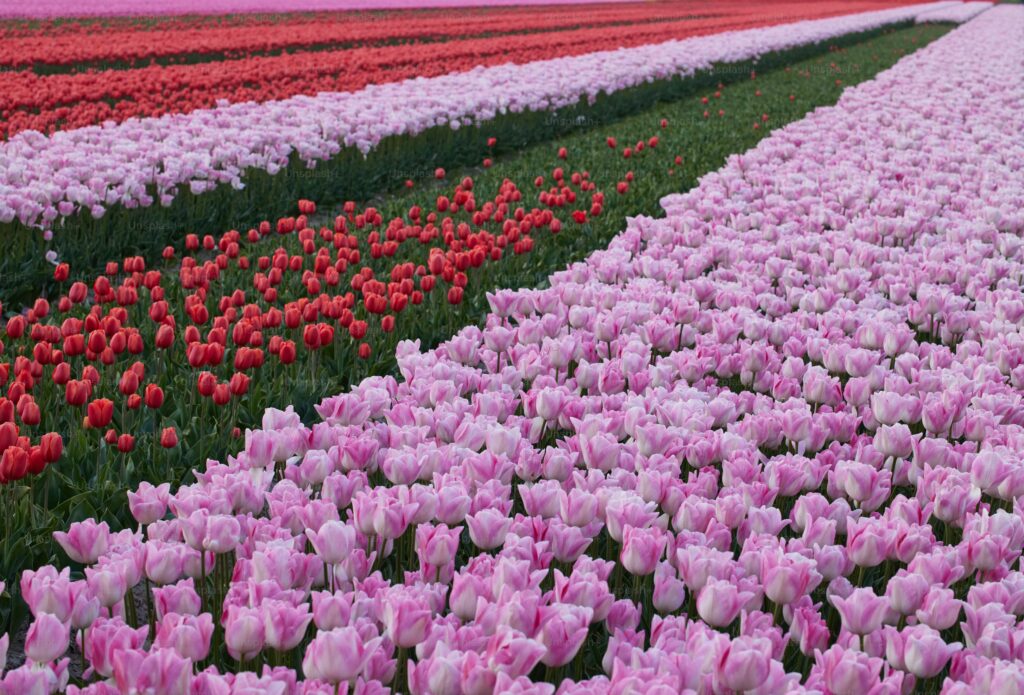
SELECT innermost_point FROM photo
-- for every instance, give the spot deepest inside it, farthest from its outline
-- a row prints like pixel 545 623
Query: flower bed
pixel 179 354
pixel 766 444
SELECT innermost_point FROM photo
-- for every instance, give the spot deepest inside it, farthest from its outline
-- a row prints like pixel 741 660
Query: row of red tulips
pixel 29 101
pixel 166 40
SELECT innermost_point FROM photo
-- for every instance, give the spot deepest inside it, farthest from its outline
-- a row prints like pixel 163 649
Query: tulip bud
pixel 169 438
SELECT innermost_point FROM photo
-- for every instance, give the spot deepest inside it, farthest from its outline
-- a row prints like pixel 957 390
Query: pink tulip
pixel 333 542
pixel 338 656
pixel 862 611
pixel 149 503
pixel 744 664
pixel 160 671
pixel 925 652
pixel 177 598
pixel 106 638
pixel 188 635
pixel 84 541
pixel 642 549
pixel 562 632
pixel 47 639
pixel 787 577
pixel 284 624
pixel 720 602
pixel 406 620
pixel 243 632
pixel 488 528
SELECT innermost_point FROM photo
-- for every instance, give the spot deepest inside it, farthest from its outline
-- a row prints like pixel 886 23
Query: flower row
pixel 140 163
pixel 957 13
pixel 766 444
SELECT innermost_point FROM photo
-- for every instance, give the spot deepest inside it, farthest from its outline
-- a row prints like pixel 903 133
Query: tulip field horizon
pixel 461 347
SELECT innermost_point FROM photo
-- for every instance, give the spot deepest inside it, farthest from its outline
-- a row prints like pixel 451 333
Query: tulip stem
pixel 150 612
pixel 401 670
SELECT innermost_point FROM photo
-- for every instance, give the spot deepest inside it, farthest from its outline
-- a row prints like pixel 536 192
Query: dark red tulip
pixel 206 384
pixel 169 438
pixel 154 396
pixel 52 446
pixel 100 412
pixel 125 443
pixel 13 464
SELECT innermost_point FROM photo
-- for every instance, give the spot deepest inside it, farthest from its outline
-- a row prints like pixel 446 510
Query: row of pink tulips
pixel 767 444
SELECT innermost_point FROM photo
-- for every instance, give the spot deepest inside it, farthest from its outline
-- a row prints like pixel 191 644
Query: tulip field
pixel 600 347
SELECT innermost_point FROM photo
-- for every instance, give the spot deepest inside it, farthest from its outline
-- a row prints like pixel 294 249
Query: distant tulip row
pixel 958 13
pixel 140 163
pixel 769 443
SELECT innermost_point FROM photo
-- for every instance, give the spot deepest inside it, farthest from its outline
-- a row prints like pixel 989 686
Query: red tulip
pixel 76 392
pixel 357 329
pixel 239 384
pixel 169 438
pixel 455 295
pixel 206 384
pixel 129 383
pixel 52 446
pixel 110 437
pixel 97 341
pixel 100 412
pixel 125 443
pixel 36 460
pixel 134 401
pixel 154 396
pixel 221 394
pixel 164 337
pixel 311 337
pixel 61 272
pixel 78 292
pixel 62 373
pixel 364 351
pixel 8 434
pixel 15 327
pixel 91 374
pixel 326 334
pixel 74 345
pixel 13 464
pixel 30 413
pixel 287 352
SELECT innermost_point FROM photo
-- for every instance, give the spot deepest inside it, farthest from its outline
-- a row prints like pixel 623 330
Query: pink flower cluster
pixel 144 162
pixel 769 443
pixel 957 13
